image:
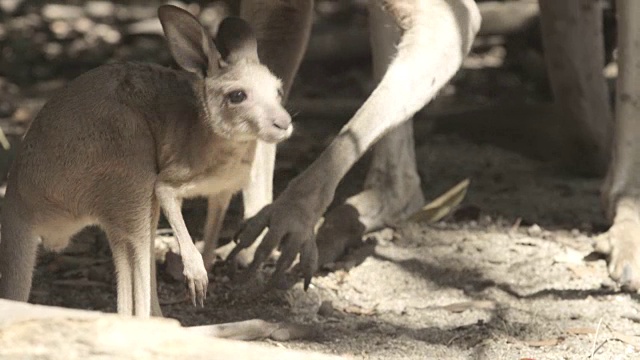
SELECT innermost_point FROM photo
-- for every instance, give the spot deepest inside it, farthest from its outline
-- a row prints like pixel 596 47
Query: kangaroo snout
pixel 282 122
pixel 277 127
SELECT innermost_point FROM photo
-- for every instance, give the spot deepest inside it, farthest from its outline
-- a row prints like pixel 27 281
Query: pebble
pixel 326 309
pixel 534 230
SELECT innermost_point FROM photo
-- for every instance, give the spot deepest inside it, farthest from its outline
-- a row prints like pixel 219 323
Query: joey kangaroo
pixel 123 141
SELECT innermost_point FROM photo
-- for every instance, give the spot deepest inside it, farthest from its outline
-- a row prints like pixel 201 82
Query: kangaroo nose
pixel 282 122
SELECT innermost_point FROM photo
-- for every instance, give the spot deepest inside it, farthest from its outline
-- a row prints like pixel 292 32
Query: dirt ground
pixel 486 288
pixel 510 274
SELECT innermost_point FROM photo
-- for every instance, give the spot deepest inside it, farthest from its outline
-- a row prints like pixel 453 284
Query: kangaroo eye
pixel 237 96
pixel 280 93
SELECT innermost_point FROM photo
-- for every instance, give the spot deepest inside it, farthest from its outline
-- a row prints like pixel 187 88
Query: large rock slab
pixel 42 332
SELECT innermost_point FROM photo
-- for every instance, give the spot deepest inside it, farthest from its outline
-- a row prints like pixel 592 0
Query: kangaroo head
pixel 242 98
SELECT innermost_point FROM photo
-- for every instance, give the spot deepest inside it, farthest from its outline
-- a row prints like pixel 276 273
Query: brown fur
pixel 124 140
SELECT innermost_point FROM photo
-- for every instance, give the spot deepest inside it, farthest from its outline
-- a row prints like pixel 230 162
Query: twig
pixel 453 339
pixel 599 346
pixel 515 226
pixel 80 283
pixel 4 141
pixel 595 339
pixel 634 318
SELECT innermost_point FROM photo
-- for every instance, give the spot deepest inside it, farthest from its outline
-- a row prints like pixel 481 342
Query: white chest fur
pixel 221 168
pixel 230 178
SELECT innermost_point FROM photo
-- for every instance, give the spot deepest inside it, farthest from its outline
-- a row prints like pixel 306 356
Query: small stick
pixel 595 339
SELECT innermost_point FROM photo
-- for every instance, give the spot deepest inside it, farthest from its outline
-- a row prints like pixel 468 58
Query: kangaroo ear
pixel 188 41
pixel 236 41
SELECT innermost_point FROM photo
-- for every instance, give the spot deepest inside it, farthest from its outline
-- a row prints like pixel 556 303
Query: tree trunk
pixel 574 53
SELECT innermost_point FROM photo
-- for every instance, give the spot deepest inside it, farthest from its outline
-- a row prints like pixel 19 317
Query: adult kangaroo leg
pixel 282 29
pixel 216 211
pixel 574 53
pixel 436 35
pixel 621 191
pixel 392 187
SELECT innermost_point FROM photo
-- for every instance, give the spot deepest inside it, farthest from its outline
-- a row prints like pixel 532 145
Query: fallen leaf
pixel 357 310
pixel 442 205
pixel 627 339
pixel 544 342
pixel 582 271
pixel 632 317
pixel 468 305
pixel 581 330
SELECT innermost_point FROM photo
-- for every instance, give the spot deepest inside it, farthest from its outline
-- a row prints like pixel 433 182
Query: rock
pixel 34 331
pixel 99 9
pixel 10 7
pixel 53 12
pixel 107 33
pixel 52 50
pixel 7 108
pixel 83 25
pixel 22 115
pixel 20 24
pixel 164 245
pixel 61 29
pixel 327 310
pixel 534 230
